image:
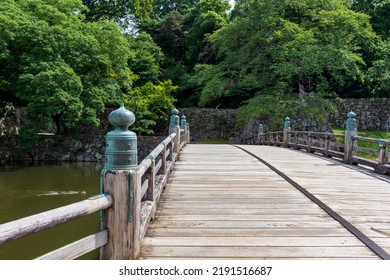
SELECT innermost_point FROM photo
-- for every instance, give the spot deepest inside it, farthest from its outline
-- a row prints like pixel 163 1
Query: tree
pixel 151 102
pixel 121 11
pixel 161 8
pixel 210 16
pixel 378 75
pixel 379 11
pixel 59 66
pixel 145 59
pixel 150 99
pixel 302 50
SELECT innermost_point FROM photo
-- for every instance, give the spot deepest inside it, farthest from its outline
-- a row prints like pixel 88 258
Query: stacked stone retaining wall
pixel 372 114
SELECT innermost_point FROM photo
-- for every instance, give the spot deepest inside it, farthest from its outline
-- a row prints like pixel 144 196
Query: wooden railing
pixel 35 223
pixel 381 165
pixel 327 144
pixel 128 202
pixel 343 146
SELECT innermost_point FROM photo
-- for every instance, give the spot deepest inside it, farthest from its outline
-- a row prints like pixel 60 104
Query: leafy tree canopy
pixel 292 48
pixel 58 65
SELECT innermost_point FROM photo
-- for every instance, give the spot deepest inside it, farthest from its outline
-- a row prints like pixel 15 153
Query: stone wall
pixel 372 114
pixel 55 148
pixel 87 146
pixel 211 123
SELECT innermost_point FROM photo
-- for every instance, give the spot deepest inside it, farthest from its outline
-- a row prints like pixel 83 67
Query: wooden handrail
pixel 31 224
pixel 326 144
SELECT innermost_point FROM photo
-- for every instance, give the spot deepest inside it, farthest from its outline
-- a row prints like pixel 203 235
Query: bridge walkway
pixel 223 203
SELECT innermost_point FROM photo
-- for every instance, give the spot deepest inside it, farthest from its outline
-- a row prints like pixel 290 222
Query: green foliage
pixel 289 53
pixel 171 37
pixel 28 136
pixel 273 107
pixel 379 74
pixel 120 11
pixel 145 59
pixel 162 8
pixel 379 12
pixel 59 66
pixel 150 103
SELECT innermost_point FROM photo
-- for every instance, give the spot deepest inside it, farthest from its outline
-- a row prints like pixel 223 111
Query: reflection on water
pixel 30 189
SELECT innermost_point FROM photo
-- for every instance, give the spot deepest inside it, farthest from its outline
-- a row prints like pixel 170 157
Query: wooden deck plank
pixel 357 194
pixel 258 252
pixel 253 232
pixel 222 203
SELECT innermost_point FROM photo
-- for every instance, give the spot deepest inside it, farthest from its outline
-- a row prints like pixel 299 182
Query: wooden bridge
pixel 222 202
pixel 268 201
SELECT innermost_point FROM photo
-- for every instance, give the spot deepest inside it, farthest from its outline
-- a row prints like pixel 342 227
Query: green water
pixel 31 189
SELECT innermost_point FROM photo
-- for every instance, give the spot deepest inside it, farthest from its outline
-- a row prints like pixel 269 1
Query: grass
pixel 212 141
pixel 369 134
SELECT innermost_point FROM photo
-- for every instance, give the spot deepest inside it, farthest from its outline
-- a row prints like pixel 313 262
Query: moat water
pixel 30 189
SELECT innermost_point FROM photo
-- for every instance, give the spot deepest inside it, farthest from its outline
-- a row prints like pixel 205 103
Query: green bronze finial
pixel 174 119
pixel 260 129
pixel 121 144
pixel 183 122
pixel 351 121
pixel 121 118
pixel 287 122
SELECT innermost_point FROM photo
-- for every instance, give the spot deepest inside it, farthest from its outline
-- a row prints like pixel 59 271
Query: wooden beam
pixel 25 226
pixel 78 248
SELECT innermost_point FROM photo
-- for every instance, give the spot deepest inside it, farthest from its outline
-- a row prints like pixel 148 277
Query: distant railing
pixel 128 198
pixel 343 146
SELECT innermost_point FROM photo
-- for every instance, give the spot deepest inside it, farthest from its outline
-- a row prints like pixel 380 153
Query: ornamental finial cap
pixel 351 115
pixel 121 117
pixel 351 121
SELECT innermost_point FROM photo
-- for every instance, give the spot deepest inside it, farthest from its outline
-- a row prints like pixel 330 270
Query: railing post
pixel 349 143
pixel 183 125
pixel 327 144
pixel 286 131
pixel 188 133
pixel 309 143
pixel 260 134
pixel 119 178
pixel 175 127
pixel 382 157
pixel 151 180
pixel 163 169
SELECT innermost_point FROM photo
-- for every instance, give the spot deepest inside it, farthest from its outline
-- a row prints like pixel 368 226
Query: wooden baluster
pixel 163 169
pixel 150 176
